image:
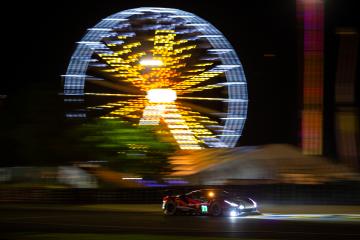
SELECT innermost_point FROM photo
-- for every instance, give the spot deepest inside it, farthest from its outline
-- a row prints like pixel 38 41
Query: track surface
pixel 289 226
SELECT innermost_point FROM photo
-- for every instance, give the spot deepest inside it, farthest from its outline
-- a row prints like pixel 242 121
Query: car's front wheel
pixel 215 209
pixel 170 208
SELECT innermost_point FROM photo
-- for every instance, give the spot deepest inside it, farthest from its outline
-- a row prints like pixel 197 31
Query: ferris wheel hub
pixel 161 95
pixel 151 62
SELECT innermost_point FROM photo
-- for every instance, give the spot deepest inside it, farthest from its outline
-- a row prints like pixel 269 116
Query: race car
pixel 213 202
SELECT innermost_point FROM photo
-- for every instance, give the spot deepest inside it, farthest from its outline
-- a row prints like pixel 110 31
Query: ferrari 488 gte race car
pixel 214 202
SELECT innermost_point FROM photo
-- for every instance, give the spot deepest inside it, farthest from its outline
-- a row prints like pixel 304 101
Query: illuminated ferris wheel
pixel 161 67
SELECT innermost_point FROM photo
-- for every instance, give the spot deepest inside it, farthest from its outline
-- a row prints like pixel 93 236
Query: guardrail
pixel 340 193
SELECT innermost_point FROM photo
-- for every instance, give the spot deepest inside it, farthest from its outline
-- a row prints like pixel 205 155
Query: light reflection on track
pixel 308 217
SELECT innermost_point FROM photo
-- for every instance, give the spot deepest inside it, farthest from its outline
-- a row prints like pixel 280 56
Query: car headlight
pixel 241 206
pixel 233 213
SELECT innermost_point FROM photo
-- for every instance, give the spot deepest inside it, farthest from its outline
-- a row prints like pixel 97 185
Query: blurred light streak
pixel 347 119
pixel 113 94
pixel 154 112
pixel 311 20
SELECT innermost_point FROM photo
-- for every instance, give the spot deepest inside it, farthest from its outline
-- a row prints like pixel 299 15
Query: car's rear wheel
pixel 170 208
pixel 215 209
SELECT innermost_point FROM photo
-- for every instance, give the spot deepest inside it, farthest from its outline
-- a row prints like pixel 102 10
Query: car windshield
pixel 209 193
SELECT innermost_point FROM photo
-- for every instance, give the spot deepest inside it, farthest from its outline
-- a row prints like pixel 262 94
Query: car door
pixel 195 199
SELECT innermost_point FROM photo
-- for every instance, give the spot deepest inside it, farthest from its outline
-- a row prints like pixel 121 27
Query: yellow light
pixel 211 194
pixel 161 95
pixel 151 62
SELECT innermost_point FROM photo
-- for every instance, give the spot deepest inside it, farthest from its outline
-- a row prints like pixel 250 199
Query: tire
pixel 170 208
pixel 216 209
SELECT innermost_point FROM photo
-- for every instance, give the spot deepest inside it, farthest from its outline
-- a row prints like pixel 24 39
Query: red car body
pixel 208 202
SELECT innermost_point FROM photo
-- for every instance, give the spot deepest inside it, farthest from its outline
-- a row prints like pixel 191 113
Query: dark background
pixel 39 38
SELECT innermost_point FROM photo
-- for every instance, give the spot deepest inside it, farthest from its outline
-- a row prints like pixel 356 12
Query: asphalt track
pixel 273 226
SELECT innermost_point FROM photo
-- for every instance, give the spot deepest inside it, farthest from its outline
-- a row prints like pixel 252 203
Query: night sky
pixel 40 38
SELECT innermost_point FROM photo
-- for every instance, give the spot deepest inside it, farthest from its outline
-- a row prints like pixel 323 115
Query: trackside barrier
pixel 338 193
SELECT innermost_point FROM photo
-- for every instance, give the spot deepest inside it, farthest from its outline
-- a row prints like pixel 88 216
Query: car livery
pixel 214 202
